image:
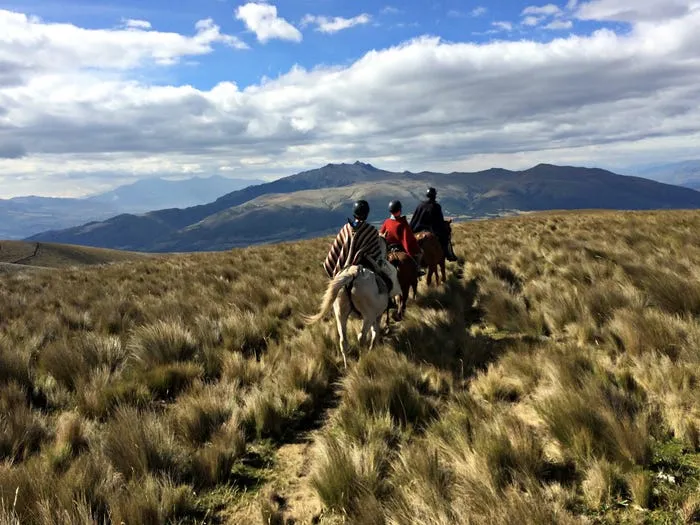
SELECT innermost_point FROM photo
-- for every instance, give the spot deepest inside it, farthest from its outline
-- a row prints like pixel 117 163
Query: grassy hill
pixel 315 202
pixel 18 255
pixel 554 378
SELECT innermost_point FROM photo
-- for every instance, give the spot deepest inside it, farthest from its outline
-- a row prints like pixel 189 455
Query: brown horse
pixel 433 255
pixel 408 278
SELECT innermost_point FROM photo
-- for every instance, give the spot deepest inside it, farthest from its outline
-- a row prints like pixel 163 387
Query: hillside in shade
pixel 316 202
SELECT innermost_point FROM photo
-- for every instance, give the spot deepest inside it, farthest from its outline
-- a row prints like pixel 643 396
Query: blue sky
pixel 390 24
pixel 97 93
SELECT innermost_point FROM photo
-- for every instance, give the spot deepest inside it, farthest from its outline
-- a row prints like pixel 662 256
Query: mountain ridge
pixel 315 202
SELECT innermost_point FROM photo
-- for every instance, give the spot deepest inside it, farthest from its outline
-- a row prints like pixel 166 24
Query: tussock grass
pixel 568 347
pixel 554 378
pixel 138 391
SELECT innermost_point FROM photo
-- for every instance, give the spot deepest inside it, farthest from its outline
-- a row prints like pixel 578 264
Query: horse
pixel 408 278
pixel 363 296
pixel 433 255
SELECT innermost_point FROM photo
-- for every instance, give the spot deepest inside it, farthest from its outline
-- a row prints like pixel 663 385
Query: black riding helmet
pixel 431 193
pixel 361 210
pixel 395 206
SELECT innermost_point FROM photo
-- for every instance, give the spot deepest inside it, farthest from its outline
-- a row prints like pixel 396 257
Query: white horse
pixel 363 296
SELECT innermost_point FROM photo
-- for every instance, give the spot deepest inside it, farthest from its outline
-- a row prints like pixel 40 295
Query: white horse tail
pixel 340 281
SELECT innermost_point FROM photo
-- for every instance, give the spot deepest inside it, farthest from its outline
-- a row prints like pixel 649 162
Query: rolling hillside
pixel 553 378
pixel 316 203
pixel 21 255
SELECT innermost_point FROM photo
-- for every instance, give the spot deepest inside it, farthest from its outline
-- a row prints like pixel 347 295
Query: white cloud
pixel 478 11
pixel 137 24
pixel 505 26
pixel 29 45
pixel 535 15
pixel 559 24
pixel 544 10
pixel 261 18
pixel 326 24
pixel 424 104
pixel 571 5
pixel 390 10
pixel 531 20
pixel 637 11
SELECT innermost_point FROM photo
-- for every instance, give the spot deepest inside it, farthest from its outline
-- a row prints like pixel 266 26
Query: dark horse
pixel 433 254
pixel 407 275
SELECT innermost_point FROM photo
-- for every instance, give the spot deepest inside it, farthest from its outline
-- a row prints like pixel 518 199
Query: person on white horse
pixel 358 242
pixel 357 265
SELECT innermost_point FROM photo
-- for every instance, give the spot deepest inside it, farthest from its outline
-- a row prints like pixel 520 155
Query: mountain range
pixel 24 216
pixel 317 202
pixel 683 173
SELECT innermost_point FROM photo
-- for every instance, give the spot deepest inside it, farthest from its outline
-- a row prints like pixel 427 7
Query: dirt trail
pixel 25 260
pixel 287 497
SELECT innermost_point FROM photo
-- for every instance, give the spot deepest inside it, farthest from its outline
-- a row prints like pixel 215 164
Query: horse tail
pixel 340 281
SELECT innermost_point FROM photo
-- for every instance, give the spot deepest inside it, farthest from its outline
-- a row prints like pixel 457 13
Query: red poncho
pixel 398 231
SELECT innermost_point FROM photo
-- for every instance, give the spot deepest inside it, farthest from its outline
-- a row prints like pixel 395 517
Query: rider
pixel 398 233
pixel 428 217
pixel 357 242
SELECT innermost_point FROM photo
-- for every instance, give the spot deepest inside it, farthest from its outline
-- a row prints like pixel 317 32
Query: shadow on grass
pixel 436 329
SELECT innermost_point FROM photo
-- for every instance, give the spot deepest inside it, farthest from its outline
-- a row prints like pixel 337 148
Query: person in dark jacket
pixel 428 217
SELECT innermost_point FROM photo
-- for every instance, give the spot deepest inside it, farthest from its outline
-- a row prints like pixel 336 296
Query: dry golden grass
pixel 554 378
pixel 53 255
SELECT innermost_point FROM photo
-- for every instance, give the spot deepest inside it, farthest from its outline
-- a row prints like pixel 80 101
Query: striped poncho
pixel 351 245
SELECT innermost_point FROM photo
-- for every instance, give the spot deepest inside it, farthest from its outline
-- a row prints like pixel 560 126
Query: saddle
pixel 383 281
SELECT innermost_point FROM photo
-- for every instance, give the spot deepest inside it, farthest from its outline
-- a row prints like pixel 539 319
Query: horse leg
pixel 442 267
pixel 363 333
pixel 374 328
pixel 341 319
pixel 404 299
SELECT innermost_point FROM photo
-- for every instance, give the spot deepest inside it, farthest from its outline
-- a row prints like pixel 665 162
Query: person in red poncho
pixel 398 232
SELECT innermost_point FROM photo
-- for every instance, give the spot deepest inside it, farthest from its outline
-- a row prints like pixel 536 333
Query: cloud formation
pixel 69 103
pixel 334 24
pixel 534 16
pixel 637 11
pixel 28 45
pixel 137 24
pixel 261 18
pixel 544 10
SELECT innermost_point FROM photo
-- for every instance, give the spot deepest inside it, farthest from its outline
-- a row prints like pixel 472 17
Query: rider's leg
pixel 417 260
pixel 447 248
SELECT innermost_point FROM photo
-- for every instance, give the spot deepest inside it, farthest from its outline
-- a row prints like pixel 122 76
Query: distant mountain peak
pixel 365 165
pixel 357 163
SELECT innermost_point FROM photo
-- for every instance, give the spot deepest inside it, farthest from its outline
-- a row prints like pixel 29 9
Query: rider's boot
pixel 419 269
pixel 450 252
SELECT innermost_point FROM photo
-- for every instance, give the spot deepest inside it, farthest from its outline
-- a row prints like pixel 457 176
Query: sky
pixel 97 93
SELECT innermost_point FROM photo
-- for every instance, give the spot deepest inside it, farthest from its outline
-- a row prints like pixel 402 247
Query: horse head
pixel 448 226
